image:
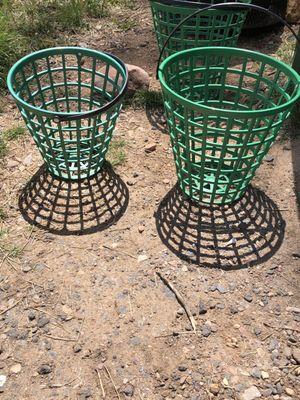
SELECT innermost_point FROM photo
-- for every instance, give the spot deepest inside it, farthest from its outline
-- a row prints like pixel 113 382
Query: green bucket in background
pixel 214 27
pixel 70 99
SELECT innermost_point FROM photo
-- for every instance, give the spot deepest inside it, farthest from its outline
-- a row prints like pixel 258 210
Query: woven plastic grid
pixel 212 28
pixel 222 128
pixel 70 81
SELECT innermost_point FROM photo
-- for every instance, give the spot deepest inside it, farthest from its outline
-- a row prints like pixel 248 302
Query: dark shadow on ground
pixel 245 233
pixel 74 208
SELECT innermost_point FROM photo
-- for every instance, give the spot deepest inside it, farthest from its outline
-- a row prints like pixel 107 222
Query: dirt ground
pixel 83 313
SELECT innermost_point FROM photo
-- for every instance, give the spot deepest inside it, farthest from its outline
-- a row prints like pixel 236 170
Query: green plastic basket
pixel 70 99
pixel 212 28
pixel 222 129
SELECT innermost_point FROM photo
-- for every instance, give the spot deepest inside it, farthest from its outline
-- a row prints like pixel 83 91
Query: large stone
pixel 251 393
pixel 293 11
pixel 138 78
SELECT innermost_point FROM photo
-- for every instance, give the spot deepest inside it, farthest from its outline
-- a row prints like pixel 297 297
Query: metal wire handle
pixel 185 3
pixel 90 114
pixel 225 6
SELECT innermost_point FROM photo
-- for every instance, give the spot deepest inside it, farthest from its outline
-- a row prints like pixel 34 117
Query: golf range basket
pixel 225 107
pixel 70 99
pixel 214 27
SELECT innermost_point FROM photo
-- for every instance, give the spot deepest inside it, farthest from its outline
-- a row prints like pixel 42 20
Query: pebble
pixel 2 380
pixel 264 375
pixel 31 315
pixel 296 355
pixel 206 330
pixel 251 393
pixel 221 289
pixel 182 368
pixel 128 390
pixel 43 321
pixel 142 257
pixel 256 373
pixel 214 388
pixel 202 308
pixel 289 391
pixel 26 268
pixel 16 368
pixel 269 158
pixel 84 393
pixel 77 348
pixel 150 148
pixel 248 297
pixel 44 369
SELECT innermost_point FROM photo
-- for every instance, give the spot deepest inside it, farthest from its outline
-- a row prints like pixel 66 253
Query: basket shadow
pixel 157 119
pixel 74 207
pixel 245 233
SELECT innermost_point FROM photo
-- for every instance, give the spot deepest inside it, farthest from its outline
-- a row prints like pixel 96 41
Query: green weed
pixel 3 216
pixel 150 99
pixel 3 148
pixel 14 133
pixel 116 154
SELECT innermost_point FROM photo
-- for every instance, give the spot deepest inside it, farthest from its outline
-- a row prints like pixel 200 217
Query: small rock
pixel 26 268
pixel 296 355
pixel 2 380
pixel 16 368
pixel 31 315
pixel 248 297
pixel 251 393
pixel 256 373
pixel 214 388
pixel 206 330
pixel 142 257
pixel 141 228
pixel 84 393
pixel 289 391
pixel 27 160
pixel 264 375
pixel 128 390
pixel 268 158
pixel 221 289
pixel 202 308
pixel 43 321
pixel 182 368
pixel 150 148
pixel 44 369
pixel 77 348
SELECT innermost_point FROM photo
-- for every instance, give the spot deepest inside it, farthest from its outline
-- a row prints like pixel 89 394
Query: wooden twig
pixel 180 300
pixel 120 251
pixel 112 381
pixel 61 338
pixel 101 384
pixel 9 308
pixel 60 385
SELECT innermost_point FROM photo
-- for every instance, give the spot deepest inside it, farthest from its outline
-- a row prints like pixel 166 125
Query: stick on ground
pixel 180 300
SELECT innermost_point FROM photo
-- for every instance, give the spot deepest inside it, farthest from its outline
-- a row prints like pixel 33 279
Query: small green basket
pixel 222 129
pixel 70 99
pixel 215 27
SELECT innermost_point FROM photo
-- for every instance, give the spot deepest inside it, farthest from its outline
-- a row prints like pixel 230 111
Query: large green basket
pixel 221 129
pixel 70 99
pixel 214 27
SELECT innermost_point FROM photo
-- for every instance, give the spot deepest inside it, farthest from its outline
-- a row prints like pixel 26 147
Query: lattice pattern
pixel 224 118
pixel 67 81
pixel 212 28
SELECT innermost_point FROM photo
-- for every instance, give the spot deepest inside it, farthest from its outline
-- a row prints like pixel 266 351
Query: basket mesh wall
pixel 211 28
pixel 71 80
pixel 221 129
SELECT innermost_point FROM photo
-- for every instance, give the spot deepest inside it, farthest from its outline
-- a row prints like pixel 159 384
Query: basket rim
pixel 225 112
pixel 192 4
pixel 71 50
